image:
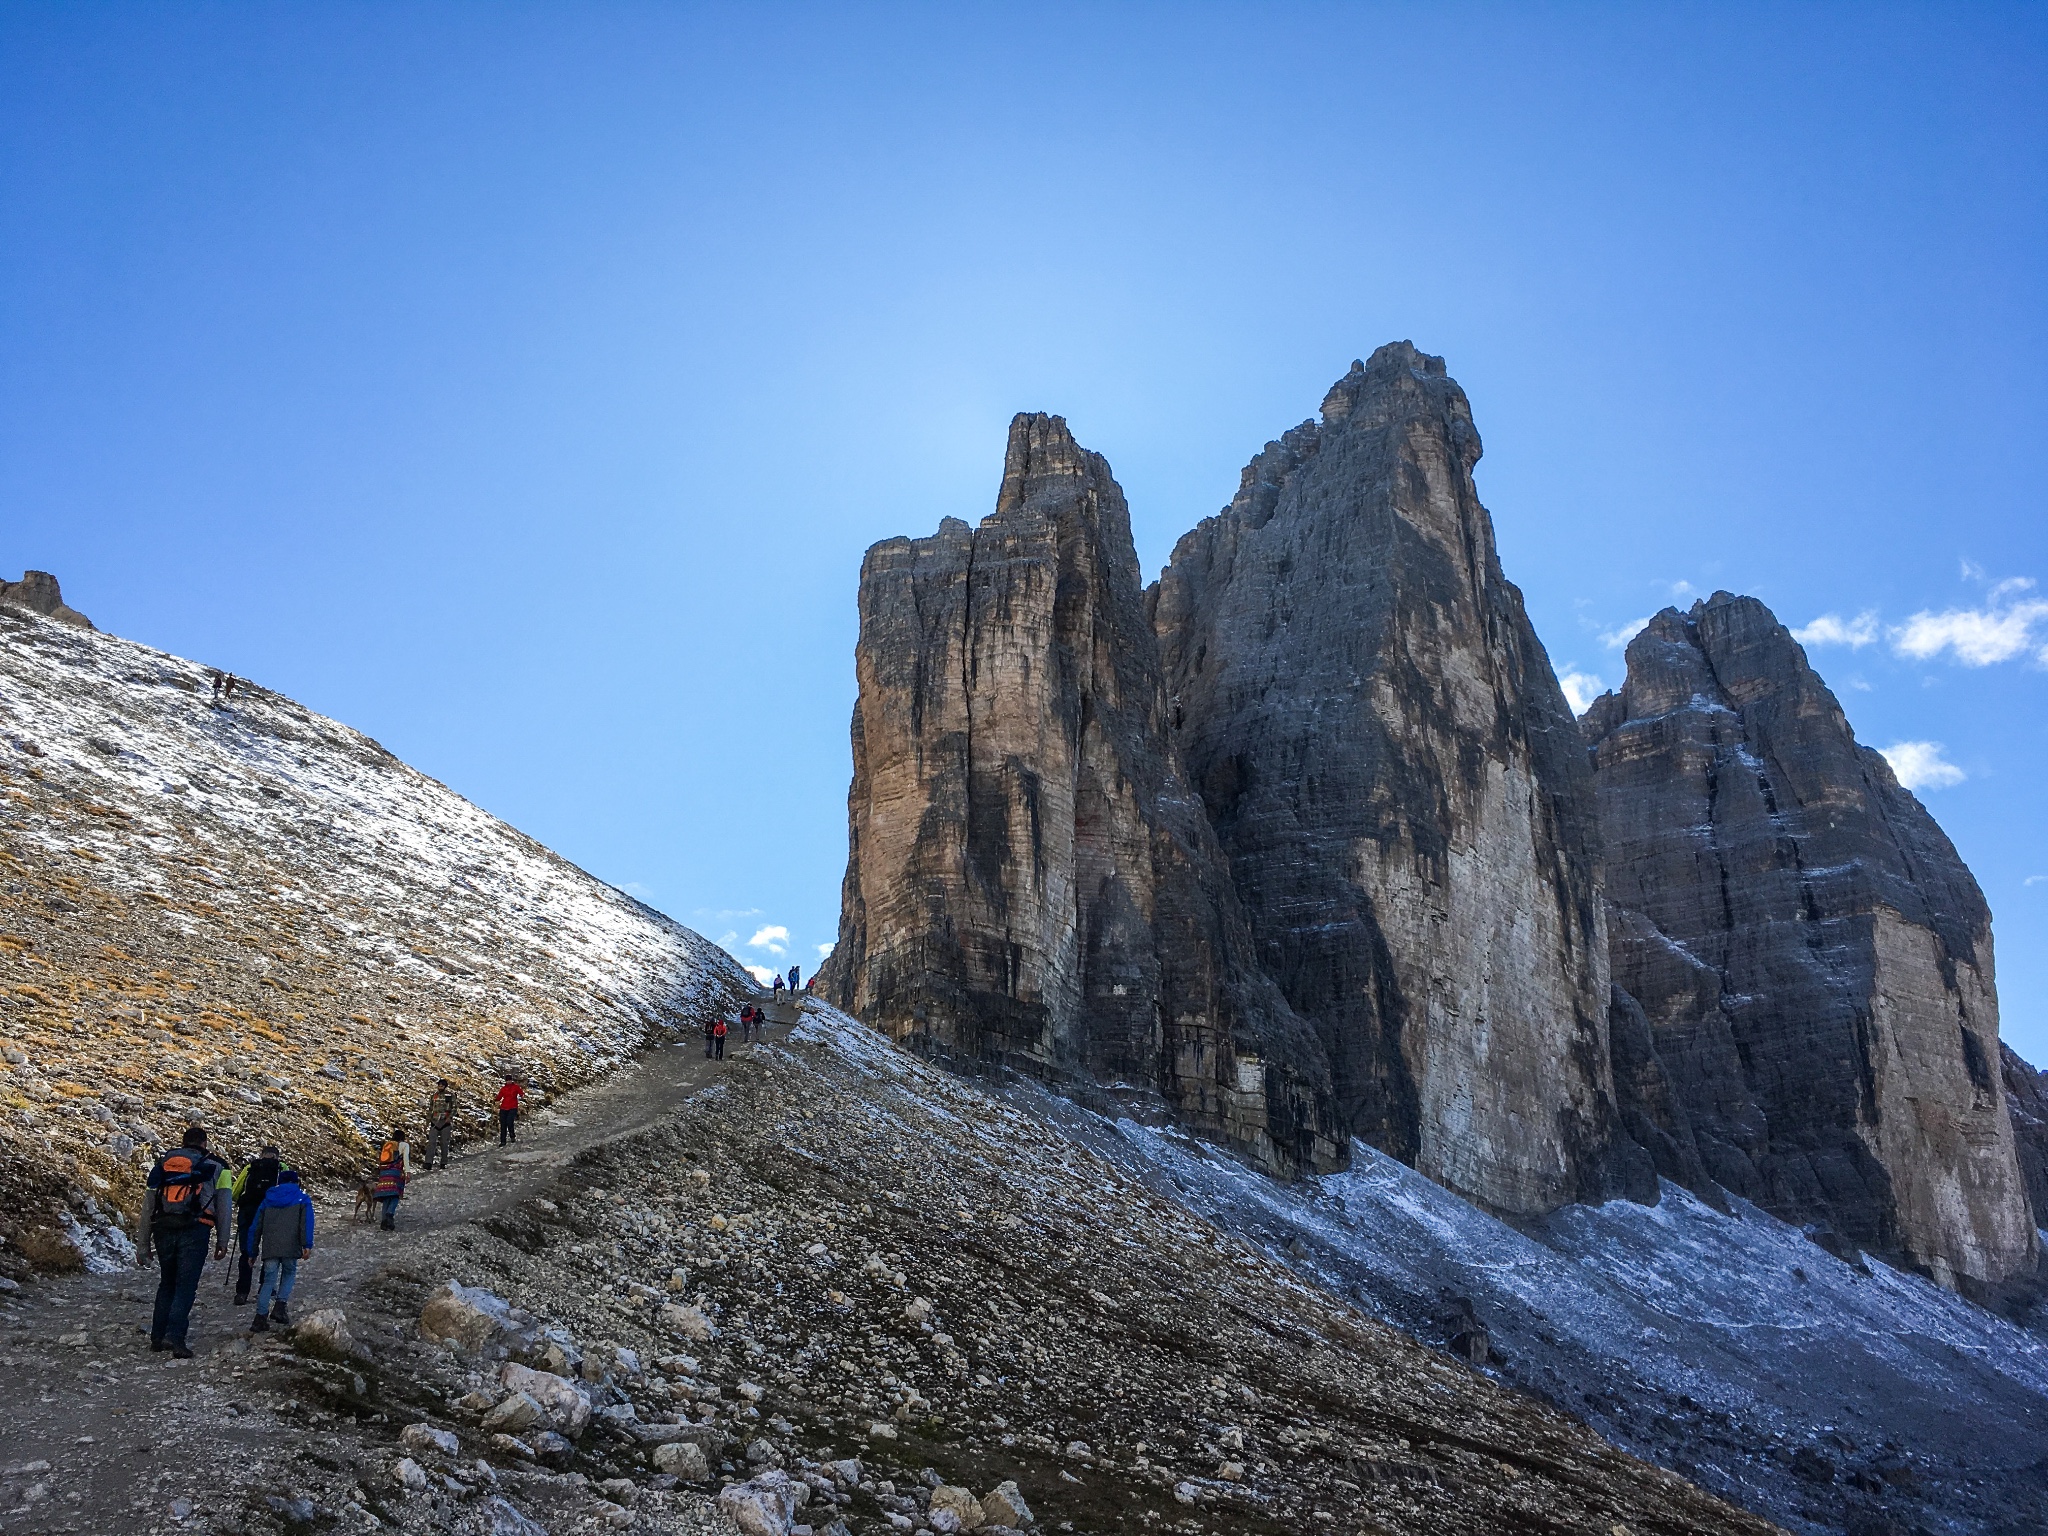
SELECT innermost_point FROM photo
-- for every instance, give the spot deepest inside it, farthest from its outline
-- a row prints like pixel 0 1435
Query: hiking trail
pixel 81 1391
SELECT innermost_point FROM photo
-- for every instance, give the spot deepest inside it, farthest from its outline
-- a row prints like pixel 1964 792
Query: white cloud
pixel 2010 585
pixel 1580 689
pixel 635 888
pixel 826 949
pixel 729 938
pixel 1920 765
pixel 760 973
pixel 772 937
pixel 1617 639
pixel 1833 629
pixel 2035 880
pixel 1977 637
pixel 1681 589
pixel 1972 571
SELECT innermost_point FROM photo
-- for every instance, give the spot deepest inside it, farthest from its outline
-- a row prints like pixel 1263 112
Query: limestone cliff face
pixel 2026 1099
pixel 1391 767
pixel 1813 957
pixel 1030 880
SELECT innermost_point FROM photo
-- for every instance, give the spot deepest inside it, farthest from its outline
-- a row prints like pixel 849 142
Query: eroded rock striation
pixel 1812 957
pixel 1393 771
pixel 1029 879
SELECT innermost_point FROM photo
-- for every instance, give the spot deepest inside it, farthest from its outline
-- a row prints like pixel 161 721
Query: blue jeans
pixel 279 1275
pixel 181 1257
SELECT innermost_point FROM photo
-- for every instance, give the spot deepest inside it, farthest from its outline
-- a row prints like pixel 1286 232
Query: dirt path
pixel 88 1409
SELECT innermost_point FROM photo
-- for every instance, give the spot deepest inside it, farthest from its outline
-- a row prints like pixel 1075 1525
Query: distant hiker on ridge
pixel 218 681
pixel 394 1167
pixel 185 1210
pixel 281 1235
pixel 441 1124
pixel 508 1109
pixel 793 971
pixel 249 1188
pixel 777 988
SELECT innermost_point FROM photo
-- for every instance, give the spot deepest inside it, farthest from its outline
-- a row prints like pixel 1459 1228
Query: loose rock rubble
pixel 844 1293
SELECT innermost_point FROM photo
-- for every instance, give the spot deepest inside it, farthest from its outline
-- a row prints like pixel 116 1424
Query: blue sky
pixel 522 383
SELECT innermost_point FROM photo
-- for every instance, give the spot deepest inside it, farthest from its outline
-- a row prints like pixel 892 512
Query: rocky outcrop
pixel 38 592
pixel 1029 879
pixel 1394 774
pixel 2026 1100
pixel 1812 956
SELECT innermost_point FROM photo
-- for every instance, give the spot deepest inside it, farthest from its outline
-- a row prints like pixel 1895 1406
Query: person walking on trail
pixel 508 1109
pixel 793 970
pixel 709 1025
pixel 441 1124
pixel 718 1040
pixel 777 988
pixel 394 1167
pixel 250 1185
pixel 186 1209
pixel 218 681
pixel 280 1236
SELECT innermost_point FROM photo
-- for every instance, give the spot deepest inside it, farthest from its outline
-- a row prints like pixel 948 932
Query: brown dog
pixel 366 1202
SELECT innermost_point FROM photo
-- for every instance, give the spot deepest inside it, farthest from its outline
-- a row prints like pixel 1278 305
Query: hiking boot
pixel 157 1346
pixel 180 1352
pixel 260 1323
pixel 279 1315
pixel 241 1298
pixel 389 1224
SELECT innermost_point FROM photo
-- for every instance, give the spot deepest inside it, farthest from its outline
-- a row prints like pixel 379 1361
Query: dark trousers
pixel 245 1274
pixel 718 1046
pixel 508 1126
pixel 181 1256
pixel 441 1139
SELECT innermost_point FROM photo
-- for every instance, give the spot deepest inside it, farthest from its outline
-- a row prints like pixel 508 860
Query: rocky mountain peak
pixel 38 592
pixel 1029 878
pixel 1389 764
pixel 1040 459
pixel 1813 958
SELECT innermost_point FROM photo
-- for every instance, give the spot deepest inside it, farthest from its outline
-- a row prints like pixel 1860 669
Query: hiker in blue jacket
pixel 280 1235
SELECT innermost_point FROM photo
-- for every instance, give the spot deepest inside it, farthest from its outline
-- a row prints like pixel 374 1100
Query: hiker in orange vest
pixel 394 1167
pixel 187 1208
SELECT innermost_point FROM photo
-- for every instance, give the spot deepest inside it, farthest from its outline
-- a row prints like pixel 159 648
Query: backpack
pixel 390 1156
pixel 183 1191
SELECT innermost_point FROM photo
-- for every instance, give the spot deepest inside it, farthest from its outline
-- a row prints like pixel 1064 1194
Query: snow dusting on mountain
pixel 239 911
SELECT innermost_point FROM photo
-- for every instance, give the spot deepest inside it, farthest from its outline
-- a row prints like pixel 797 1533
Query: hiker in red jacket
pixel 508 1109
pixel 718 1039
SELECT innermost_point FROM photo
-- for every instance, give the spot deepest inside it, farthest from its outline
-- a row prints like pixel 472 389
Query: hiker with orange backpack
pixel 394 1167
pixel 186 1207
